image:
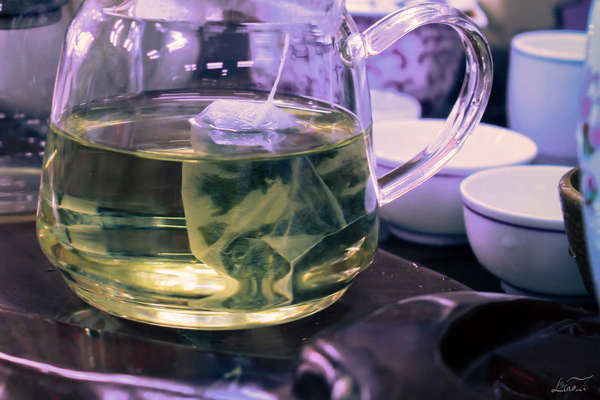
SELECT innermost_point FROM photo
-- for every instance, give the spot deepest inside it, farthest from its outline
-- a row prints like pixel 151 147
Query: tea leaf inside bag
pixel 254 218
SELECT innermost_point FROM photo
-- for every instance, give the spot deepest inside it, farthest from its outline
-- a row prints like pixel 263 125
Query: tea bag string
pixel 286 45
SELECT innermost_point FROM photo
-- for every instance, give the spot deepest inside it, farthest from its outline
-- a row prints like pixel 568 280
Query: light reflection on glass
pixel 116 31
pixel 82 43
pixel 214 65
pixel 132 37
pixel 191 278
pixel 245 64
pixel 96 15
pixel 178 41
pixel 131 11
pixel 128 44
pixel 153 54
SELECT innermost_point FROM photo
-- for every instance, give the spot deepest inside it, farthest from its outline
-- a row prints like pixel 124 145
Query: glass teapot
pixel 209 163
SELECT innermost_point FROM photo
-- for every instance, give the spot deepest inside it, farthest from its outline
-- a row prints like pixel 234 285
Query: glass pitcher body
pixel 209 164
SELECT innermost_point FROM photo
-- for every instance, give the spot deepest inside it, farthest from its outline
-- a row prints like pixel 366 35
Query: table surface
pixel 457 262
pixel 47 330
pixel 30 284
pixel 34 301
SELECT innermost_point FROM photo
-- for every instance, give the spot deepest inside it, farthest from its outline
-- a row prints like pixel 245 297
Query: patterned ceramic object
pixel 589 143
pixel 425 63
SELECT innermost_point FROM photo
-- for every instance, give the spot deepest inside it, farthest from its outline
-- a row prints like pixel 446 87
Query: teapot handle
pixel 466 112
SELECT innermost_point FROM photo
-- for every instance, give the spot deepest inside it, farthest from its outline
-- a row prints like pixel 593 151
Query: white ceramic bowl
pixel 515 227
pixel 432 212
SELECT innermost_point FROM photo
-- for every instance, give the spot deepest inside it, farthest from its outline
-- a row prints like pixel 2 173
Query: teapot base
pixel 158 313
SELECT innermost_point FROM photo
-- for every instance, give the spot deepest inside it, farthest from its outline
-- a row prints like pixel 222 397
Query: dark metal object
pixel 461 345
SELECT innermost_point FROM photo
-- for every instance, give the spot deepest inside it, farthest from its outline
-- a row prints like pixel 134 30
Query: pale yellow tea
pixel 158 221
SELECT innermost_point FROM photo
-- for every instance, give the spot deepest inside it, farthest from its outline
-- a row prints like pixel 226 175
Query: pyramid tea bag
pixel 254 219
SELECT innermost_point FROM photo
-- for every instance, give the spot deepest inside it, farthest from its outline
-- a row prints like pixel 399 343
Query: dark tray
pixel 45 327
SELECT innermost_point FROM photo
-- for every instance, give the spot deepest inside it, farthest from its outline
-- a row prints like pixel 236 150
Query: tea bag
pixel 253 219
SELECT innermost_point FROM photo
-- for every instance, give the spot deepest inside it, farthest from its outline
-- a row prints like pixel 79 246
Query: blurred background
pixel 427 63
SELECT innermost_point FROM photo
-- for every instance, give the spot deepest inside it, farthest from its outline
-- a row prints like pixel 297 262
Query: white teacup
pixel 544 90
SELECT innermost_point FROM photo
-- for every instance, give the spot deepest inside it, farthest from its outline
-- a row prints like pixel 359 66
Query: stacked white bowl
pixel 508 211
pixel 432 213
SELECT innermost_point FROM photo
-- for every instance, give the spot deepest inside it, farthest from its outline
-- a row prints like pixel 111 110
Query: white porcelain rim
pixel 528 155
pixel 521 44
pixel 505 216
